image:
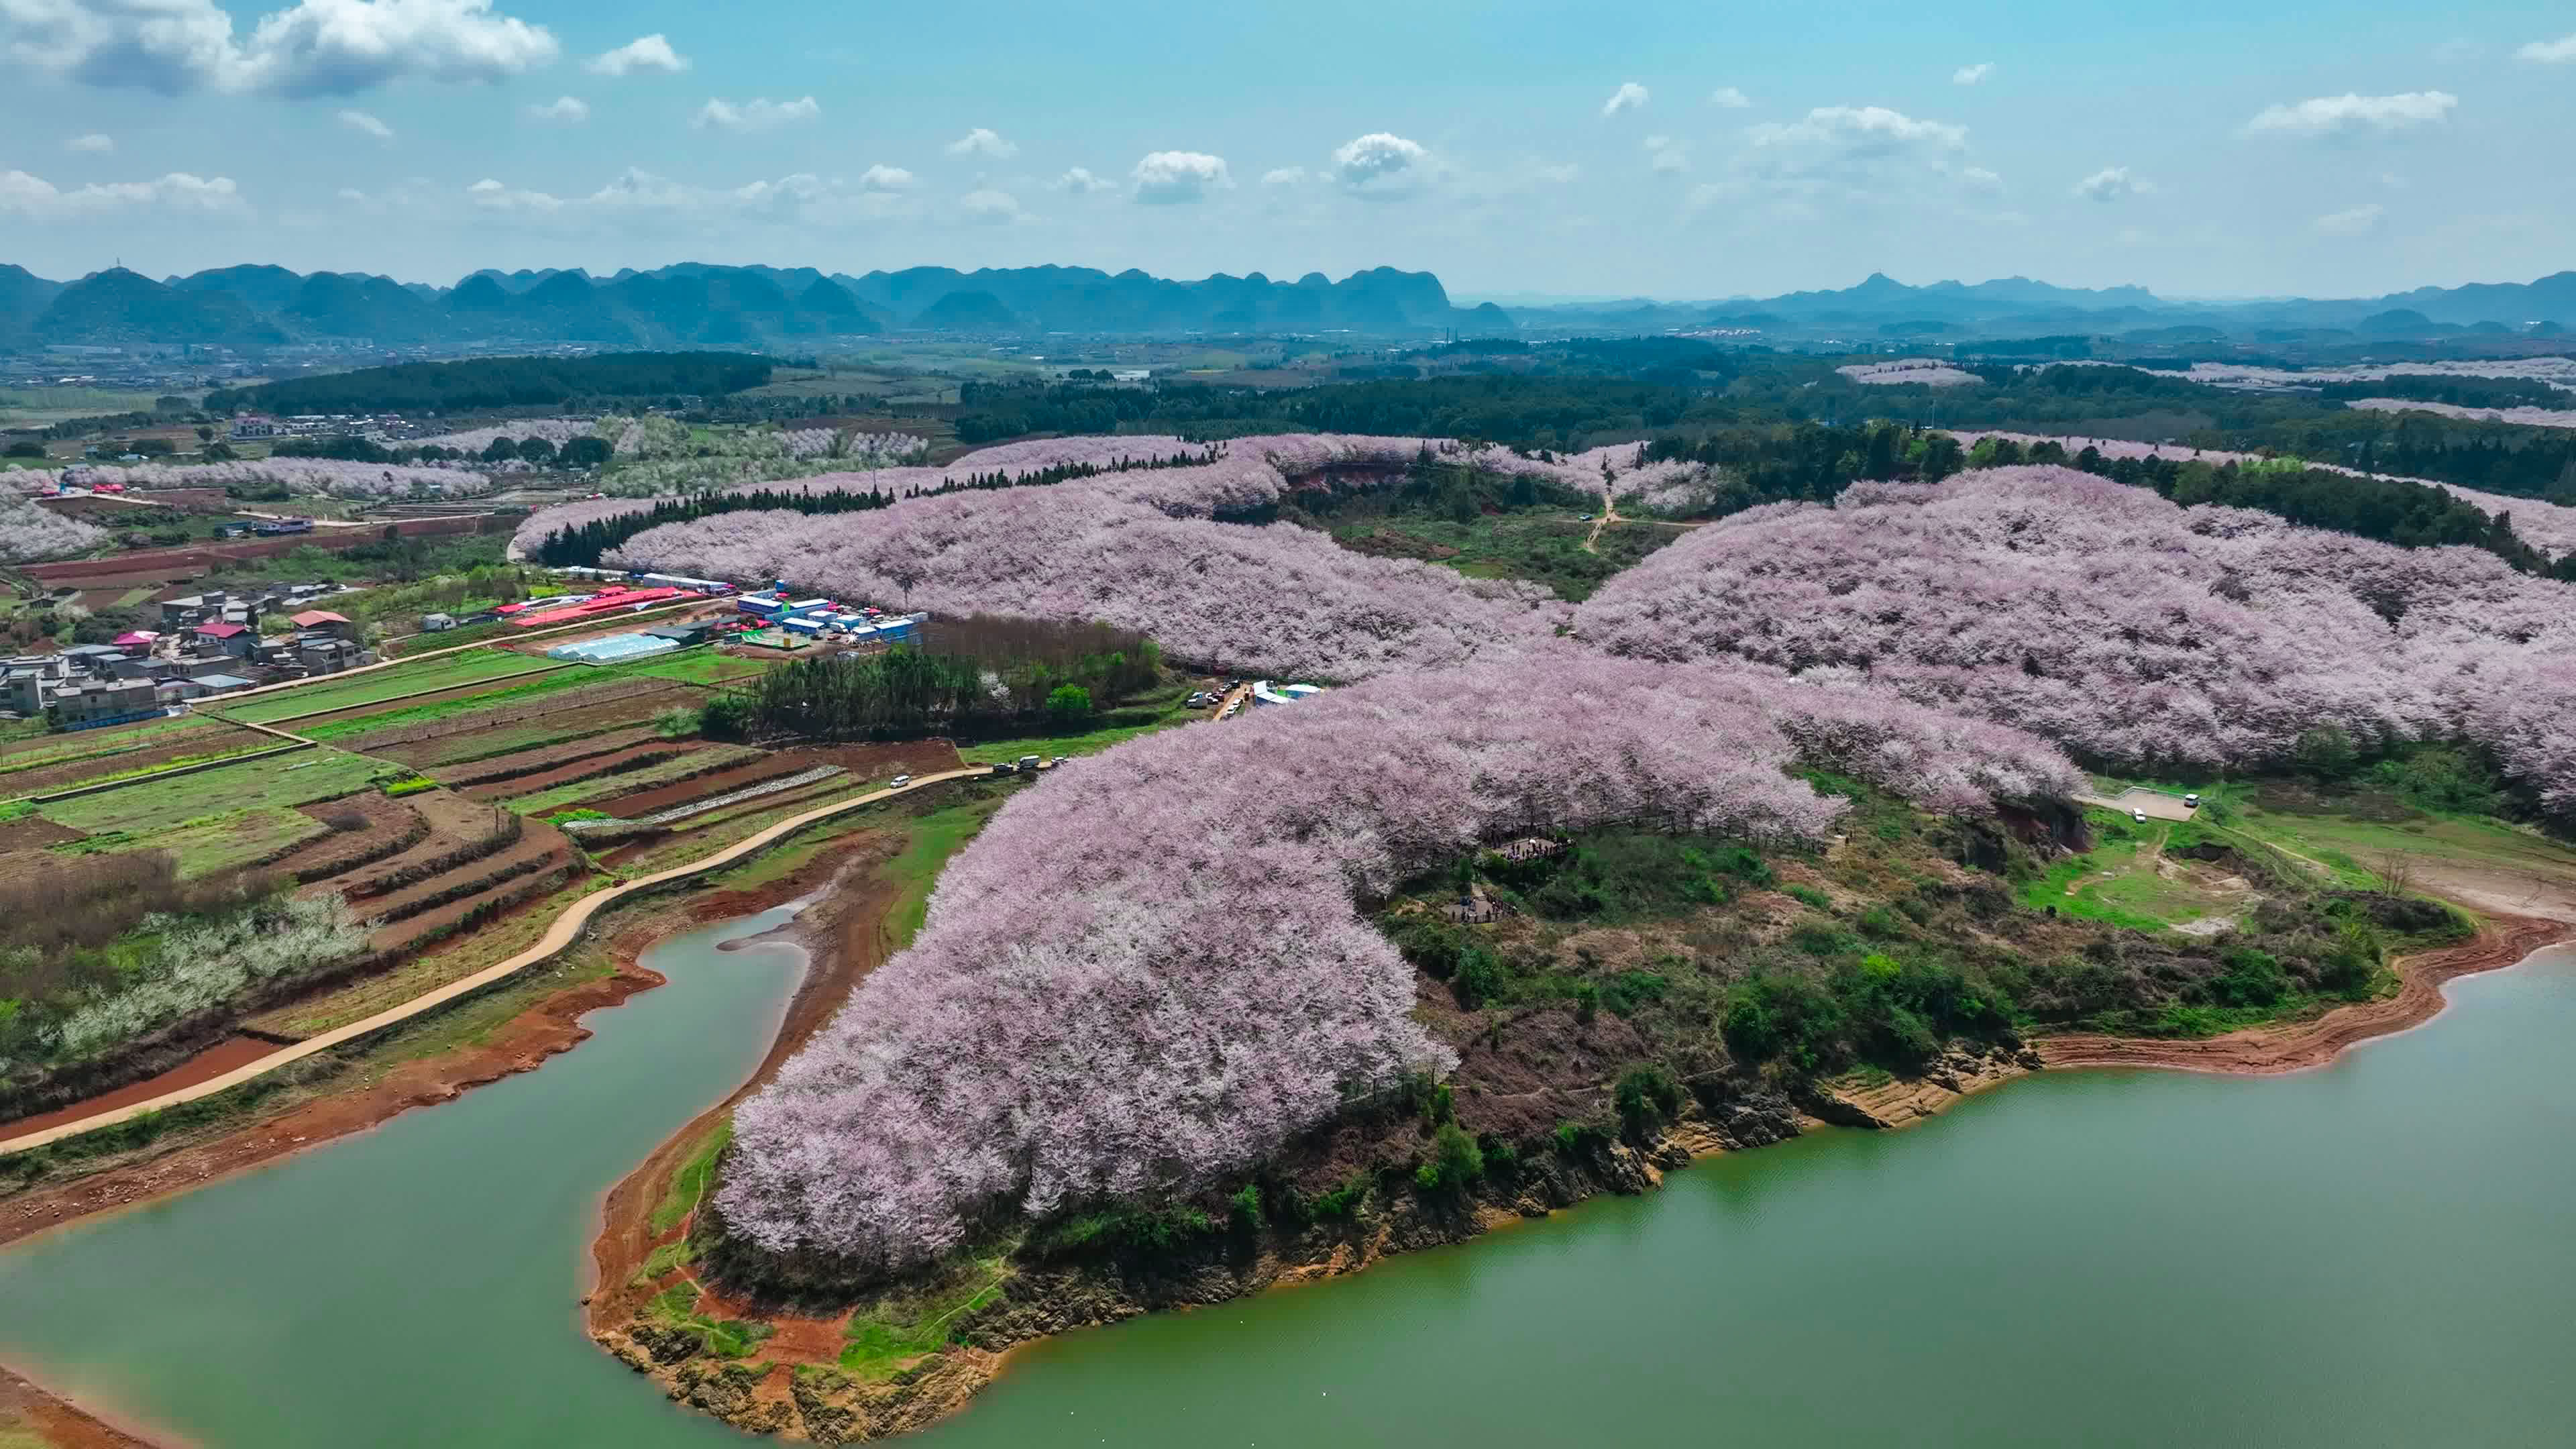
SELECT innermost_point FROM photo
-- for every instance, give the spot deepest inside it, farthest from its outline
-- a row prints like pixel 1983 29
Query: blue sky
pixel 1665 149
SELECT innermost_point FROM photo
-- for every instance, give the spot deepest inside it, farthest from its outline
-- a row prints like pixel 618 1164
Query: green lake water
pixel 2379 1252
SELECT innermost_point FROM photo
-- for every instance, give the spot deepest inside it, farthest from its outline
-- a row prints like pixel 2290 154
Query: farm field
pixel 170 750
pixel 475 667
pixel 520 721
pixel 540 693
pixel 141 812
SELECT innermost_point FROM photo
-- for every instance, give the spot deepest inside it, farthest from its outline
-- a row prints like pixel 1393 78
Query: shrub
pixel 677 722
pixel 1646 1098
pixel 1343 1200
pixel 1628 990
pixel 1455 1162
pixel 1479 980
pixel 1244 1208
pixel 1809 896
pixel 1883 923
pixel 396 789
pixel 2254 978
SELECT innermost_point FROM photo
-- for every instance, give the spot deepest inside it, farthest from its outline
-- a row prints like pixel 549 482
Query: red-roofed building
pixel 236 640
pixel 325 623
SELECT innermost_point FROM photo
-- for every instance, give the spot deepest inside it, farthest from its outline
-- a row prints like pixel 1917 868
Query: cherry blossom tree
pixel 1169 1002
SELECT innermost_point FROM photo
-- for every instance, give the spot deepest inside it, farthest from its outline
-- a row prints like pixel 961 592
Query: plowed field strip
pixel 634 757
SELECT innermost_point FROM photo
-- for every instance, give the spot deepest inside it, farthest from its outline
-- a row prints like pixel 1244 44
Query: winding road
pixel 566 929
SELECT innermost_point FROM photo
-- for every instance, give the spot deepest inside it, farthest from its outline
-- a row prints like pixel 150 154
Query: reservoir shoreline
pixel 835 962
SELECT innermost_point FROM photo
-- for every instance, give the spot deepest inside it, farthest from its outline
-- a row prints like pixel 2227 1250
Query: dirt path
pixel 1609 515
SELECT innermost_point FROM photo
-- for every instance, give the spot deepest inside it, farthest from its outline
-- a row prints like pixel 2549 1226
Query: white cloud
pixel 1968 75
pixel 2338 115
pixel 1666 156
pixel 362 122
pixel 1079 181
pixel 1729 98
pixel 37 199
pixel 1559 175
pixel 94 144
pixel 2561 51
pixel 1382 166
pixel 1284 176
pixel 981 142
pixel 492 195
pixel 2458 48
pixel 882 177
pixel 563 110
pixel 2352 222
pixel 645 52
pixel 1848 156
pixel 802 197
pixel 1629 97
pixel 758 114
pixel 1171 177
pixel 990 207
pixel 2113 183
pixel 1859 128
pixel 314 48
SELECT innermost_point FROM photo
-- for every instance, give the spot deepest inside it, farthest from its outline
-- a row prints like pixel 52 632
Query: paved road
pixel 566 929
pixel 2154 804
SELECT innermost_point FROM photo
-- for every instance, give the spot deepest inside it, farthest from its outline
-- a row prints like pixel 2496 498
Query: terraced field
pixel 376 686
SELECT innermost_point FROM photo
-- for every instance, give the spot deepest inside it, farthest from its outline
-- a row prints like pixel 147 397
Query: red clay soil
pixel 214 1061
pixel 542 757
pixel 633 757
pixel 453 825
pixel 387 820
pixel 30 833
pixel 2294 1046
pixel 57 1423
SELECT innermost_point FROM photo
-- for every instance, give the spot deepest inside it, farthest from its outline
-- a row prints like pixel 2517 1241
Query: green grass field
pixel 477 666
pixel 151 808
pixel 701 666
pixel 2130 878
pixel 217 842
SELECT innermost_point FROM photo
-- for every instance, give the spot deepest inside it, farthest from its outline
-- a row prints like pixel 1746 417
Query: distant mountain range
pixel 696 305
pixel 692 304
pixel 1883 309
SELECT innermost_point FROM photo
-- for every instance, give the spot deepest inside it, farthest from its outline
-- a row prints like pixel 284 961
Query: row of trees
pixel 502 382
pixel 2391 510
pixel 574 453
pixel 585 544
pixel 977 676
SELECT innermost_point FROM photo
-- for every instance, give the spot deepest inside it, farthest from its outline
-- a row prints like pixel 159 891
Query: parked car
pixel 1028 762
pixel 1060 759
pixel 2191 802
pixel 2139 816
pixel 898 782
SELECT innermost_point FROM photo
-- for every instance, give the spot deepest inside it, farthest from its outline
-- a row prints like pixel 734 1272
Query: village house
pixel 236 640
